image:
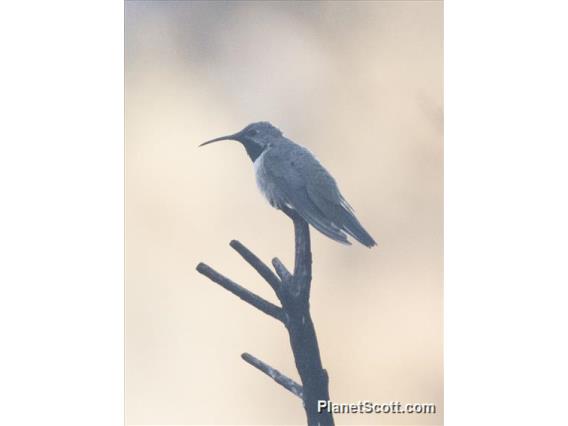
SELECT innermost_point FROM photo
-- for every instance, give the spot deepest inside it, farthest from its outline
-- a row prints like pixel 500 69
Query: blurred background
pixel 360 85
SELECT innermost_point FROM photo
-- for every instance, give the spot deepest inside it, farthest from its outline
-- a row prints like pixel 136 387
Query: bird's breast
pixel 265 183
pixel 258 163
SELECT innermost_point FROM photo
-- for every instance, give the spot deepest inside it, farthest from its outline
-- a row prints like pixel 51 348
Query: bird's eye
pixel 254 132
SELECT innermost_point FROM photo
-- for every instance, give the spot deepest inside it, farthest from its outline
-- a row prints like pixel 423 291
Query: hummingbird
pixel 288 174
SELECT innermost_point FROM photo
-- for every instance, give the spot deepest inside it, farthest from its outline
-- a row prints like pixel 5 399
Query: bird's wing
pixel 289 176
pixel 323 192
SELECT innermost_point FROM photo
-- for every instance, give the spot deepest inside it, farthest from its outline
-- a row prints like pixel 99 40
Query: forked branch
pixel 293 292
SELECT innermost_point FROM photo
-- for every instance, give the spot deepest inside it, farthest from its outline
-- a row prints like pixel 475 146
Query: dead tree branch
pixel 246 295
pixel 293 292
pixel 276 375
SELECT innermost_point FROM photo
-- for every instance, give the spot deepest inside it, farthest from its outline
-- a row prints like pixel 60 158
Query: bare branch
pixel 276 375
pixel 293 291
pixel 281 270
pixel 246 295
pixel 303 255
pixel 260 267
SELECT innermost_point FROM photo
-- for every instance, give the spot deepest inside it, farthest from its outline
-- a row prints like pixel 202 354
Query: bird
pixel 289 175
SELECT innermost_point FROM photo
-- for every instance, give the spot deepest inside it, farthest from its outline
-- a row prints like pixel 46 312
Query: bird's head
pixel 255 138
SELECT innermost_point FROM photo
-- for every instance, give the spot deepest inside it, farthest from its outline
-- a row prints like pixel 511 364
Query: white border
pixel 506 212
pixel 61 214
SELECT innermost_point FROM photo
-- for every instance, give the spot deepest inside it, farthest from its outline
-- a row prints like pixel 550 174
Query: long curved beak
pixel 222 138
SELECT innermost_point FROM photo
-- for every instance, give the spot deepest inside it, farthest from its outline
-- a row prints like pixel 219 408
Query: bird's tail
pixel 339 215
pixel 354 228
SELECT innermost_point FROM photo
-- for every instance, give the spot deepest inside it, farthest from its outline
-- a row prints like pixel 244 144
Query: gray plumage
pixel 289 175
